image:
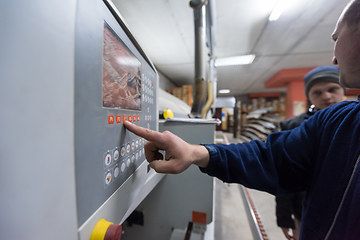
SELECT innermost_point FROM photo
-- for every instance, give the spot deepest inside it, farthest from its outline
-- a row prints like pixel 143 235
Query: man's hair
pixel 352 14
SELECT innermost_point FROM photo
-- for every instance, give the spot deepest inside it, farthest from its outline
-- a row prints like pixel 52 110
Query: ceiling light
pixel 278 9
pixel 224 91
pixel 236 60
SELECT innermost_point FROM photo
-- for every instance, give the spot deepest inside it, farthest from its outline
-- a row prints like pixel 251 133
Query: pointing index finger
pixel 146 133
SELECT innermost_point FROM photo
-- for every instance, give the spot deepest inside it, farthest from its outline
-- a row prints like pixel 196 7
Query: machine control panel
pixel 114 83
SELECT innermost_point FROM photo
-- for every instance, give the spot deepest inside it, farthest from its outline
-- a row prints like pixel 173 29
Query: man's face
pixel 324 94
pixel 347 53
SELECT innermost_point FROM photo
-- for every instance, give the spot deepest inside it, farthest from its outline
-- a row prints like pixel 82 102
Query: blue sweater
pixel 320 156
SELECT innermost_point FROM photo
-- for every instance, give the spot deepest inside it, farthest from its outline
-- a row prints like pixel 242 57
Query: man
pixel 322 89
pixel 321 156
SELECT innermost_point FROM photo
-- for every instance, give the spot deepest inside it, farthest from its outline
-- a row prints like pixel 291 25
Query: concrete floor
pixel 231 221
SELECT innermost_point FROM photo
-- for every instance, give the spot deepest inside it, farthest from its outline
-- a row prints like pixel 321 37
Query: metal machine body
pixel 75 162
pixel 67 160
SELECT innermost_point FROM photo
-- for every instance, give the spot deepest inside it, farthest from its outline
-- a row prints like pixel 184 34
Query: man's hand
pixel 179 155
pixel 287 233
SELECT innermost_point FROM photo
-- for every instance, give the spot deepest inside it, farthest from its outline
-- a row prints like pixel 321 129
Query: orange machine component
pixel 199 217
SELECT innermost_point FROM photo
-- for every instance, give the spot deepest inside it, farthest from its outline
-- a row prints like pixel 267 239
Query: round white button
pixel 116 172
pixel 122 167
pixel 128 162
pixel 137 156
pixel 128 148
pixel 132 159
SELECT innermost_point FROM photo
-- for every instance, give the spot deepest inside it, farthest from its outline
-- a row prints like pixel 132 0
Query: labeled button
pixel 118 118
pixel 128 148
pixel 108 178
pixel 116 154
pixel 132 146
pixel 108 159
pixel 137 143
pixel 111 119
pixel 134 118
pixel 132 159
pixel 128 162
pixel 124 118
pixel 138 118
pixel 130 118
pixel 122 151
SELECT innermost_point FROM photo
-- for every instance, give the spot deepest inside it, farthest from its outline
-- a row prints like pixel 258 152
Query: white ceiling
pixel 301 37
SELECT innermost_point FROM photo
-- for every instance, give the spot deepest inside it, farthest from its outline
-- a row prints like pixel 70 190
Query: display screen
pixel 121 85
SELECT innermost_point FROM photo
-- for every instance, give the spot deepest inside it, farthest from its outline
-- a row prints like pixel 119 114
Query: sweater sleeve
pixel 280 165
pixel 284 211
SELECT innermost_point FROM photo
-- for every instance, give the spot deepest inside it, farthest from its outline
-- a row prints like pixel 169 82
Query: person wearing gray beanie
pixel 321 74
pixel 322 87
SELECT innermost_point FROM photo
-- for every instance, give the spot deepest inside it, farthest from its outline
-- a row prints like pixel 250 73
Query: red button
pixel 130 118
pixel 113 232
pixel 124 118
pixel 118 118
pixel 111 119
pixel 134 118
pixel 138 118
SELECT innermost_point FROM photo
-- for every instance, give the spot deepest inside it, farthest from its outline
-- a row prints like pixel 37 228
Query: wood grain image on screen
pixel 121 85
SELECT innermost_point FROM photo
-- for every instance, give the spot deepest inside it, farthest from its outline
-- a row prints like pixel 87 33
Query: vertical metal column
pixel 200 56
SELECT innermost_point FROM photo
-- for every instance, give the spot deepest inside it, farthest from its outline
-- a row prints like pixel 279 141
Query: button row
pixel 123 118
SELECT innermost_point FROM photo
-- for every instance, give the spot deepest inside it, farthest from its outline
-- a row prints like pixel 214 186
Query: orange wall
pixel 295 92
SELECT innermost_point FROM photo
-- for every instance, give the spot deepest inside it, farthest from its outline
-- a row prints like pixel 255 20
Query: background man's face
pixel 324 94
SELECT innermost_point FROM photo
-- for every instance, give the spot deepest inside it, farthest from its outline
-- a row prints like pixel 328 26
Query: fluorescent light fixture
pixel 278 9
pixel 224 91
pixel 236 60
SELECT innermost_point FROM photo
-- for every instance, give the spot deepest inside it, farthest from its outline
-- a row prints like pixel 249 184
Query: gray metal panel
pixel 172 201
pixel 124 200
pixel 37 181
pixel 94 137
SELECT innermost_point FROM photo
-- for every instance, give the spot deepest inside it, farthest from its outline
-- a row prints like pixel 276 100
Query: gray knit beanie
pixel 321 74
